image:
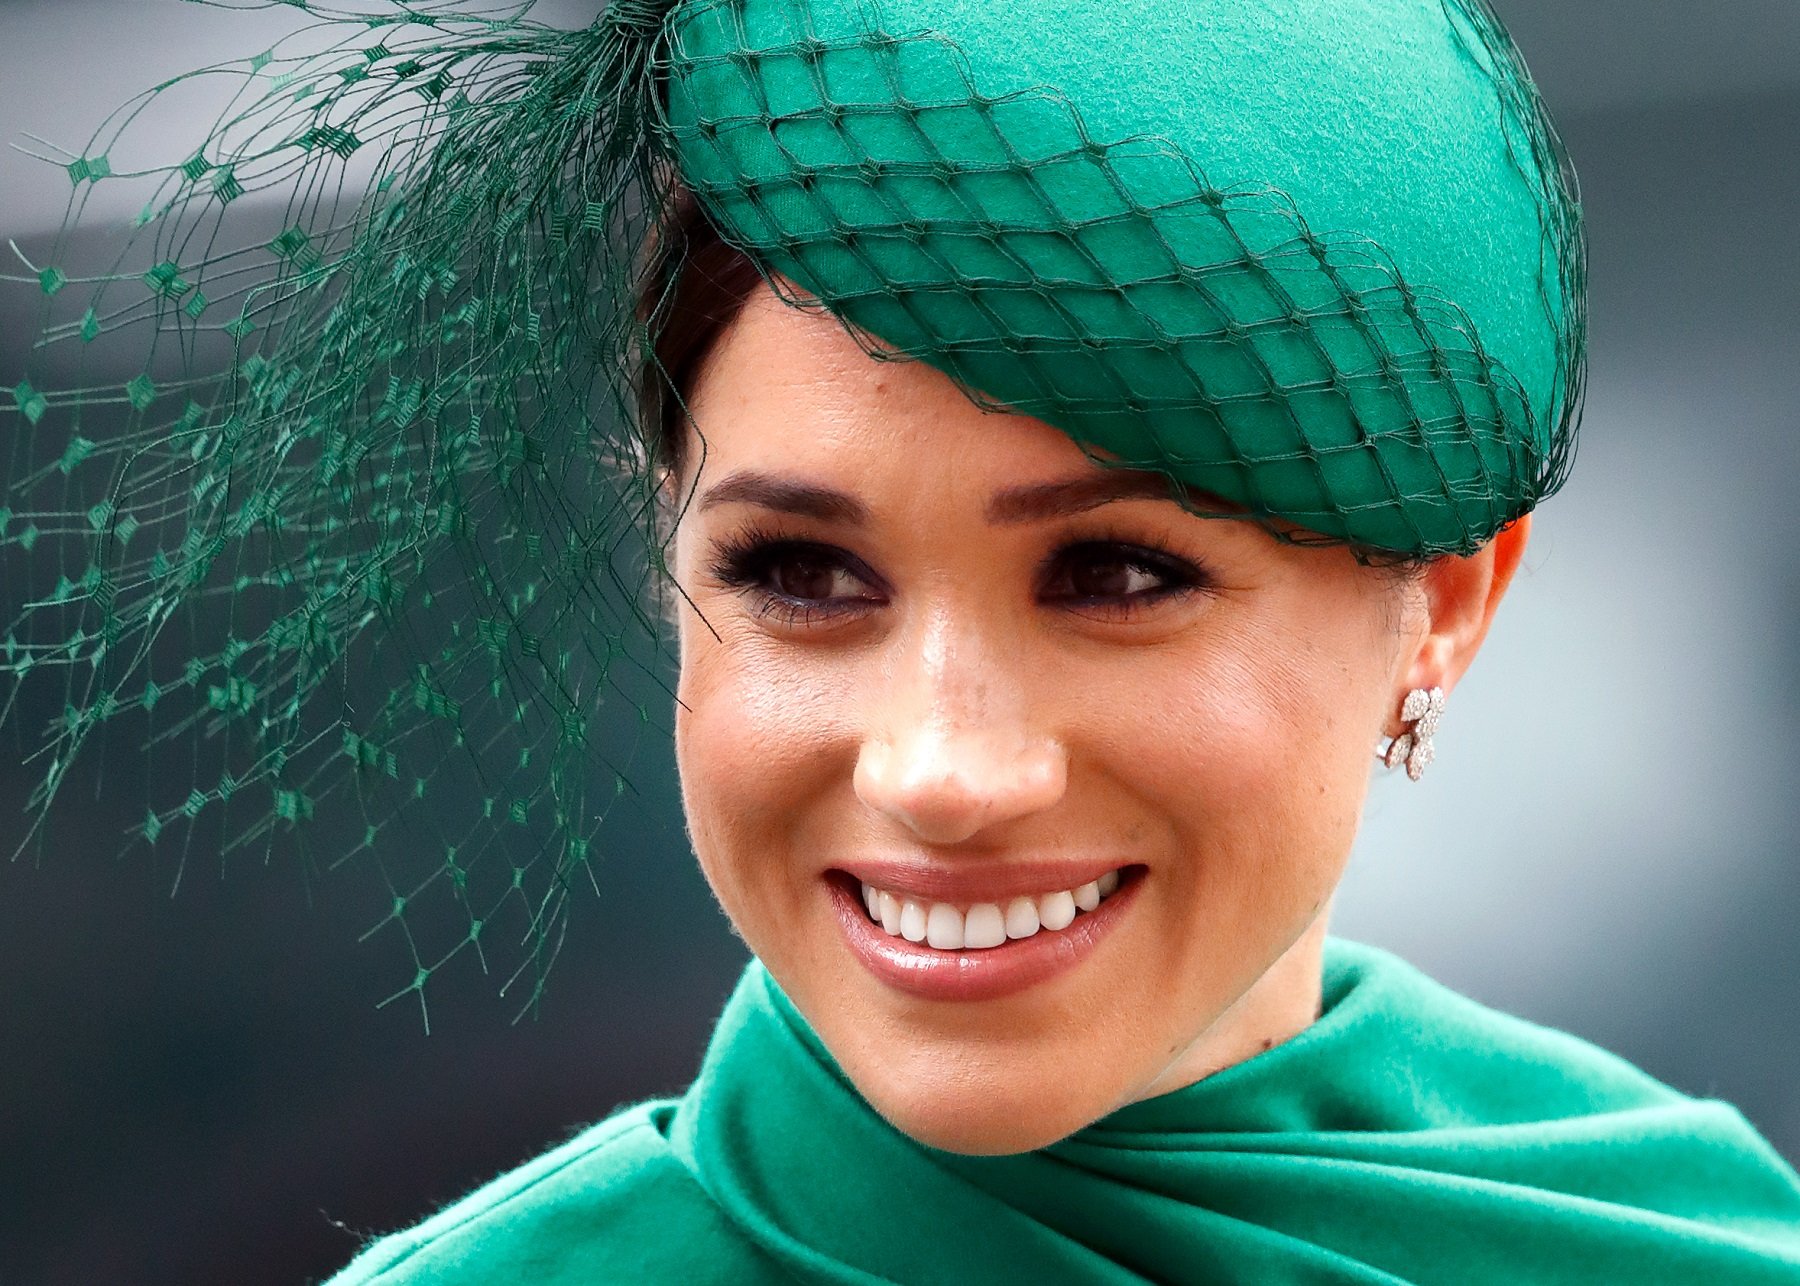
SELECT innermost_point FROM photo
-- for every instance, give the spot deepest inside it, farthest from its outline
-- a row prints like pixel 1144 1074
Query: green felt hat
pixel 1318 258
pixel 329 486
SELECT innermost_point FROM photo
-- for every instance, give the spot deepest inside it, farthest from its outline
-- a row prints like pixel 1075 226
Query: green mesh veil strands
pixel 327 477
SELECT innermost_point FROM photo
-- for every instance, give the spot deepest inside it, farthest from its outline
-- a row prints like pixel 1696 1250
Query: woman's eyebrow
pixel 788 495
pixel 1076 495
pixel 1032 503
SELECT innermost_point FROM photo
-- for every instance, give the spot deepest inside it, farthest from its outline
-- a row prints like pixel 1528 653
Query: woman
pixel 1079 437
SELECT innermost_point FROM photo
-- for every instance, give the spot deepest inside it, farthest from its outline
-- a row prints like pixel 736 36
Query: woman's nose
pixel 951 748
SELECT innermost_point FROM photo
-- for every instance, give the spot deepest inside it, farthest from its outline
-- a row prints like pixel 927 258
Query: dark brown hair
pixel 697 285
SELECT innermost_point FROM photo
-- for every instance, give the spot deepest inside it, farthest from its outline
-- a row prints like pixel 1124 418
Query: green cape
pixel 1409 1135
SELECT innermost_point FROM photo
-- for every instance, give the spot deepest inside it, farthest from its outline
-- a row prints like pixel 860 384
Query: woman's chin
pixel 976 1116
pixel 987 1133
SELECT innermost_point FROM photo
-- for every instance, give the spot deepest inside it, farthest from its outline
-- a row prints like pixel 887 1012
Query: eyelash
pixel 744 561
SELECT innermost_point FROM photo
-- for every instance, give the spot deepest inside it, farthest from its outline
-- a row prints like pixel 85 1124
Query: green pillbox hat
pixel 1320 259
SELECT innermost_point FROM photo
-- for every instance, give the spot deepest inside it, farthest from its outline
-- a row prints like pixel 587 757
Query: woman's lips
pixel 970 881
pixel 974 974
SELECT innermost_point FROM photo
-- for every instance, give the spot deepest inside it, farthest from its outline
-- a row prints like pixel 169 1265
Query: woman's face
pixel 933 657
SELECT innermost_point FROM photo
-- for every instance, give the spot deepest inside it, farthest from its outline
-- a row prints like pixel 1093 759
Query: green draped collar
pixel 1409 1135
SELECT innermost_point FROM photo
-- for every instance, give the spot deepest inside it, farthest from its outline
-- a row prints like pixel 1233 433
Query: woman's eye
pixel 796 582
pixel 1104 573
pixel 809 574
pixel 803 583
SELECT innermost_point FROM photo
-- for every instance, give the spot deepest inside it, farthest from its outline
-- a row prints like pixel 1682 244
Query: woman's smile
pixel 980 950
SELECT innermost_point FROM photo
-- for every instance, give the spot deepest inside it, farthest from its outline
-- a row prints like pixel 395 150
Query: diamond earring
pixel 1421 710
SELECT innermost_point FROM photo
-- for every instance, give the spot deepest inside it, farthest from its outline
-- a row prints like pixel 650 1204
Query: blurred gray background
pixel 199 1089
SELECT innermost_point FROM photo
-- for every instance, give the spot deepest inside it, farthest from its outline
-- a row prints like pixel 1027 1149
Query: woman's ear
pixel 1461 596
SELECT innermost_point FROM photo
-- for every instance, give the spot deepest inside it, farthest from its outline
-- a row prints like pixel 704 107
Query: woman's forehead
pixel 789 387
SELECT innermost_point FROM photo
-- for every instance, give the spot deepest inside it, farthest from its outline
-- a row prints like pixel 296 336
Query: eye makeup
pixel 799 581
pixel 774 574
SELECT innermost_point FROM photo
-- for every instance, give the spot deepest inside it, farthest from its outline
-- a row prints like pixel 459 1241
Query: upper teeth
pixel 986 924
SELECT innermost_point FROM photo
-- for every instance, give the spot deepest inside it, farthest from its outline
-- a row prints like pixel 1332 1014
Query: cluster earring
pixel 1420 711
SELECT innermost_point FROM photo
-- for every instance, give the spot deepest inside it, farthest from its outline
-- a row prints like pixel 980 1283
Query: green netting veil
pixel 327 482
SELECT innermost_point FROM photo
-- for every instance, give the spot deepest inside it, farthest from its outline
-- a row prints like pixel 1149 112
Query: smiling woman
pixel 1074 442
pixel 945 675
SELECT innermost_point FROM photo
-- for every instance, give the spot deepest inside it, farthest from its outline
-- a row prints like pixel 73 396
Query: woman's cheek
pixel 1245 753
pixel 758 737
pixel 1201 734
